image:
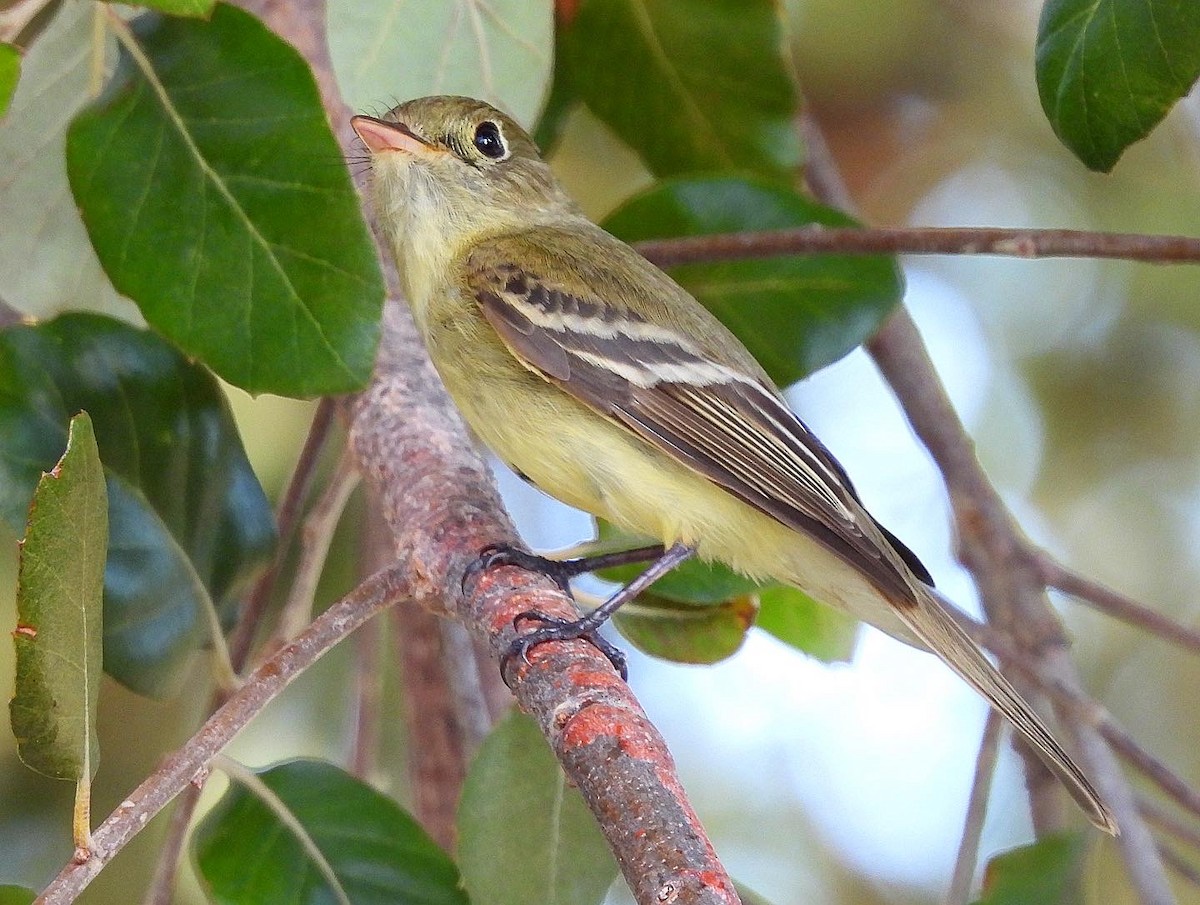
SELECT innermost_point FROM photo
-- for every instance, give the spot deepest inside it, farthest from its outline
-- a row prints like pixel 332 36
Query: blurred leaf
pixel 385 51
pixel 59 615
pixel 1109 70
pixel 749 896
pixel 560 102
pixel 689 84
pixel 251 851
pixel 210 185
pixel 47 263
pixel 1046 873
pixel 795 314
pixel 189 524
pixel 685 633
pixel 692 582
pixel 524 834
pixel 10 72
pixel 200 8
pixel 16 895
pixel 814 628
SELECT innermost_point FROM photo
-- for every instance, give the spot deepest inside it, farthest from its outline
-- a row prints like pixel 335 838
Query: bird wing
pixel 719 417
pixel 724 419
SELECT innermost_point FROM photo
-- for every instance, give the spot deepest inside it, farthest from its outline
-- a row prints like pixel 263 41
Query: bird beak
pixel 379 135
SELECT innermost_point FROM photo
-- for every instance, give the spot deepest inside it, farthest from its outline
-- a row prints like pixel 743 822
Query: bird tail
pixel 930 621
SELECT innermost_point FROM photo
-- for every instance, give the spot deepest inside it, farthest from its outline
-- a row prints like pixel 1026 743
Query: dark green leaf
pixel 16 895
pixel 524 834
pixel 249 854
pixel 794 314
pixel 189 524
pixel 694 582
pixel 689 84
pixel 1045 873
pixel 212 190
pixel 685 633
pixel 10 72
pixel 59 614
pixel 561 102
pixel 814 628
pixel 1109 70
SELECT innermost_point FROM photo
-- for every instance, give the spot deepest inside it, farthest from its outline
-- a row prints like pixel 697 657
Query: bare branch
pixel 189 764
pixel 1115 604
pixel 1168 821
pixel 924 240
pixel 315 537
pixel 286 518
pixel 994 549
pixel 441 505
pixel 959 891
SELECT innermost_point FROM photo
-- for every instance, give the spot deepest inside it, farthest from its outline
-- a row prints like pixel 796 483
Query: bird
pixel 603 382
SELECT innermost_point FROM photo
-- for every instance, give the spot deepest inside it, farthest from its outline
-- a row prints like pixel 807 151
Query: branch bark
pixel 1000 559
pixel 437 496
pixel 924 240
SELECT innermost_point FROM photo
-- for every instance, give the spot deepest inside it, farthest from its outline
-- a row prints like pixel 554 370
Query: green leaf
pixel 1046 872
pixel 499 50
pixel 10 73
pixel 200 8
pixel 814 628
pixel 685 633
pixel 689 84
pixel 525 834
pixel 1109 70
pixel 251 850
pixel 16 895
pixel 692 582
pixel 189 524
pixel 795 314
pixel 59 614
pixel 210 185
pixel 47 263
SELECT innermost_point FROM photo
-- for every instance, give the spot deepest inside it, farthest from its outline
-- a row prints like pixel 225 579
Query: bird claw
pixel 555 629
pixel 507 555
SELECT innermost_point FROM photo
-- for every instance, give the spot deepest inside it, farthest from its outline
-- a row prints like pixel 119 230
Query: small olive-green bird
pixel 603 382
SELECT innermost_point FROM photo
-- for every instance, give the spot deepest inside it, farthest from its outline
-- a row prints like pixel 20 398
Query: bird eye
pixel 488 140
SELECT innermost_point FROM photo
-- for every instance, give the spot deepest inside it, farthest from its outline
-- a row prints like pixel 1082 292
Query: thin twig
pixel 1168 821
pixel 959 891
pixel 368 698
pixel 1115 604
pixel 1083 711
pixel 1179 864
pixel 161 890
pixel 993 549
pixel 315 538
pixel 287 516
pixel 190 762
pixel 1151 767
pixel 162 884
pixel 924 240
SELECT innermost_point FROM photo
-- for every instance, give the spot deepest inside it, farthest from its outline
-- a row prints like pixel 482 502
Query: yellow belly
pixel 587 461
